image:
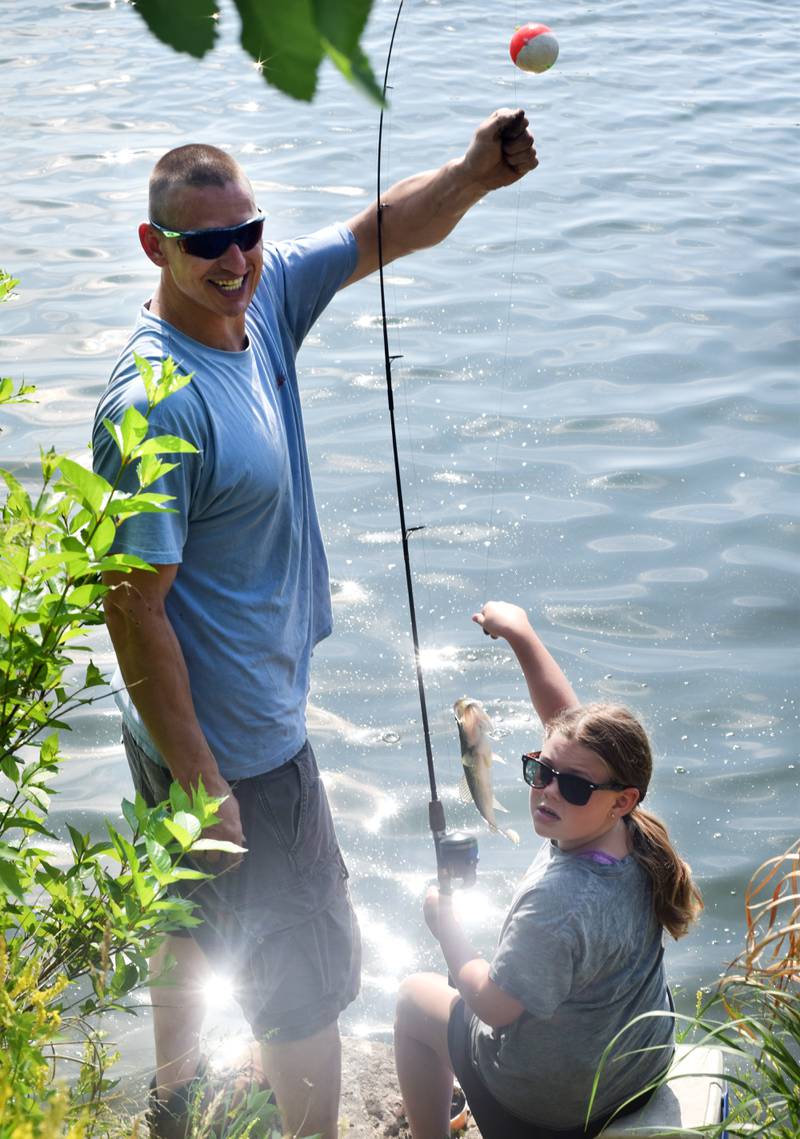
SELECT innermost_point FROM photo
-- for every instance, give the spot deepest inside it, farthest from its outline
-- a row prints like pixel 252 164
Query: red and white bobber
pixel 533 47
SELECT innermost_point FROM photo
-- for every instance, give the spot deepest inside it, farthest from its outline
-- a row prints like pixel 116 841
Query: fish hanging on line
pixel 474 727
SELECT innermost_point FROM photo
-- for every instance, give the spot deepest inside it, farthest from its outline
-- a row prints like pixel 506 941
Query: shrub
pixel 75 932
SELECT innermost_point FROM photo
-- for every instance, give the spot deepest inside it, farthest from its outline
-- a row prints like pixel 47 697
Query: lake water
pixel 597 407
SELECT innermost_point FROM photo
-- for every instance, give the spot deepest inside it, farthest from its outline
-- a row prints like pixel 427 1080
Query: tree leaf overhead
pixel 287 39
pixel 284 41
pixel 185 25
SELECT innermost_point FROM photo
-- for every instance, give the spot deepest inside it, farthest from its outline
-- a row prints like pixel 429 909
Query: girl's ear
pixel 626 800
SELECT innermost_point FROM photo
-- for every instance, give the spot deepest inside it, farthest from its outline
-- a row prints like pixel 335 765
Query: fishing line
pixel 490 539
pixel 504 370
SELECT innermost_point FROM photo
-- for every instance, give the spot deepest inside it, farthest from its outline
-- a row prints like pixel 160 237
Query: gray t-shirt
pixel 582 951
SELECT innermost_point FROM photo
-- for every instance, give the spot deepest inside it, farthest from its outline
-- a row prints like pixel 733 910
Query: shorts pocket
pixel 294 805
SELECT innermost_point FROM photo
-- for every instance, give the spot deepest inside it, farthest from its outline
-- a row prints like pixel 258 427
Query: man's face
pixel 218 291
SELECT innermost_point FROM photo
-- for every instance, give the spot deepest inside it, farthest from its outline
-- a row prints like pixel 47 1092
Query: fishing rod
pixel 456 851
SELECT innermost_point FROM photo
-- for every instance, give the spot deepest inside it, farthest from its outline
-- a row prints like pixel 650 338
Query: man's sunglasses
pixel 212 243
pixel 573 788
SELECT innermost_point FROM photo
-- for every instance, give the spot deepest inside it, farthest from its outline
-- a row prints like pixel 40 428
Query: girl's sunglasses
pixel 572 788
pixel 212 243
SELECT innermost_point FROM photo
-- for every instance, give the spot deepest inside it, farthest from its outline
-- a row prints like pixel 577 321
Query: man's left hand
pixel 502 150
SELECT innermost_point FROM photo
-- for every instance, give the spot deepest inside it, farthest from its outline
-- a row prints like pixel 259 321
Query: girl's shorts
pixel 493 1120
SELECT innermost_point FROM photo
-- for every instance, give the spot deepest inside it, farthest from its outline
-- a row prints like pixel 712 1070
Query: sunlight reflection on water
pixel 597 404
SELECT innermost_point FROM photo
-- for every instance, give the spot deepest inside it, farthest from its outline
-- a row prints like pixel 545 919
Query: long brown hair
pixel 614 733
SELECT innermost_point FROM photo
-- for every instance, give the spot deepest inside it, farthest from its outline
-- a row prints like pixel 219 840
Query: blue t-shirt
pixel 251 597
pixel 581 950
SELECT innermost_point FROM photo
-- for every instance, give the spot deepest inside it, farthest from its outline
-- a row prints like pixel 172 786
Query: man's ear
pixel 150 240
pixel 626 800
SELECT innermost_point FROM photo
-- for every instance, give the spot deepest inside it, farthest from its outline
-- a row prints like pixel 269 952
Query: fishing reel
pixel 456 852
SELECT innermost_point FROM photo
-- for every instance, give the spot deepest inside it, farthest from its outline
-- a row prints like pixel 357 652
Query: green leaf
pixel 356 69
pixel 133 429
pixel 85 595
pixel 25 821
pixel 218 844
pixel 125 977
pixel 130 816
pixel 151 469
pixel 39 796
pixel 115 431
pixel 93 677
pixel 165 445
pixel 141 503
pixel 10 880
pixel 158 856
pixel 179 800
pixel 178 832
pixel 103 537
pixel 7 283
pixel 342 21
pixel 284 41
pixel 91 490
pixel 340 24
pixel 48 749
pixel 121 562
pixel 79 841
pixel 188 822
pixel 168 382
pixel 185 25
pixel 6 617
pixel 15 488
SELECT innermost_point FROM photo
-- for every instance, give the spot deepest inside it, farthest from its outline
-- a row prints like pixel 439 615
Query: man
pixel 214 647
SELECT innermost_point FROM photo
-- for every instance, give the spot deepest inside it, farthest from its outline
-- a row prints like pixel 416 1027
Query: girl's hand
pixel 437 910
pixel 502 619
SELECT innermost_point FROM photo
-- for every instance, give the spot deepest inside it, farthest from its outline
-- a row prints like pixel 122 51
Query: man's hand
pixel 501 151
pixel 228 828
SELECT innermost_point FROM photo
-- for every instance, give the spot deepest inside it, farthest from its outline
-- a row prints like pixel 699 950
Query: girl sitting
pixel 580 954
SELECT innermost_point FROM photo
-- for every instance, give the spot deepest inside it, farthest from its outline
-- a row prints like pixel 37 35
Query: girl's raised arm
pixel 550 690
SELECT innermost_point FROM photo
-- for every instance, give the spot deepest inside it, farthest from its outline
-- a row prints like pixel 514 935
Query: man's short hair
pixel 193 165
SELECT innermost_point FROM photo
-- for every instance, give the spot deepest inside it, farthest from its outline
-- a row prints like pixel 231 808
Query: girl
pixel 580 953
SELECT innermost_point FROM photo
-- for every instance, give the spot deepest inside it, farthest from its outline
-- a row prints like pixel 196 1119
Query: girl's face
pixel 569 826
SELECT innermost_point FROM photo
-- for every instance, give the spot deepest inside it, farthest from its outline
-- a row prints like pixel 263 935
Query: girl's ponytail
pixel 676 899
pixel 614 733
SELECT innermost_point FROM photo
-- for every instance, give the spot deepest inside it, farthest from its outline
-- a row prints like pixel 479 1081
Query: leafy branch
pixel 287 42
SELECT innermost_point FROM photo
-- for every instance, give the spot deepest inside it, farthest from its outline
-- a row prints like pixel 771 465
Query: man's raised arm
pixel 421 210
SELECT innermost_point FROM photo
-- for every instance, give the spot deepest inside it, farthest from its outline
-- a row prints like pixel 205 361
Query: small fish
pixel 474 726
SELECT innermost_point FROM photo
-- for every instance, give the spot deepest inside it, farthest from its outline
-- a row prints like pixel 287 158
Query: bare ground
pixel 371 1104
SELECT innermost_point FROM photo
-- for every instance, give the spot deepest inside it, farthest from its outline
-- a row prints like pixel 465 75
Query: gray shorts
pixel 282 922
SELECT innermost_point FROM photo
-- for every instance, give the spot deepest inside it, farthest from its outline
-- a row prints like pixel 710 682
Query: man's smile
pixel 229 284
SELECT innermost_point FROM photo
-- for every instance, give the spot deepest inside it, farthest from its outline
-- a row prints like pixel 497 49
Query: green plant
pixel 75 931
pixel 760 995
pixel 287 42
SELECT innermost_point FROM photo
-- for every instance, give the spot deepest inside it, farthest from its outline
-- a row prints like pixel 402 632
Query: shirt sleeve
pixel 157 536
pixel 535 959
pixel 314 268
